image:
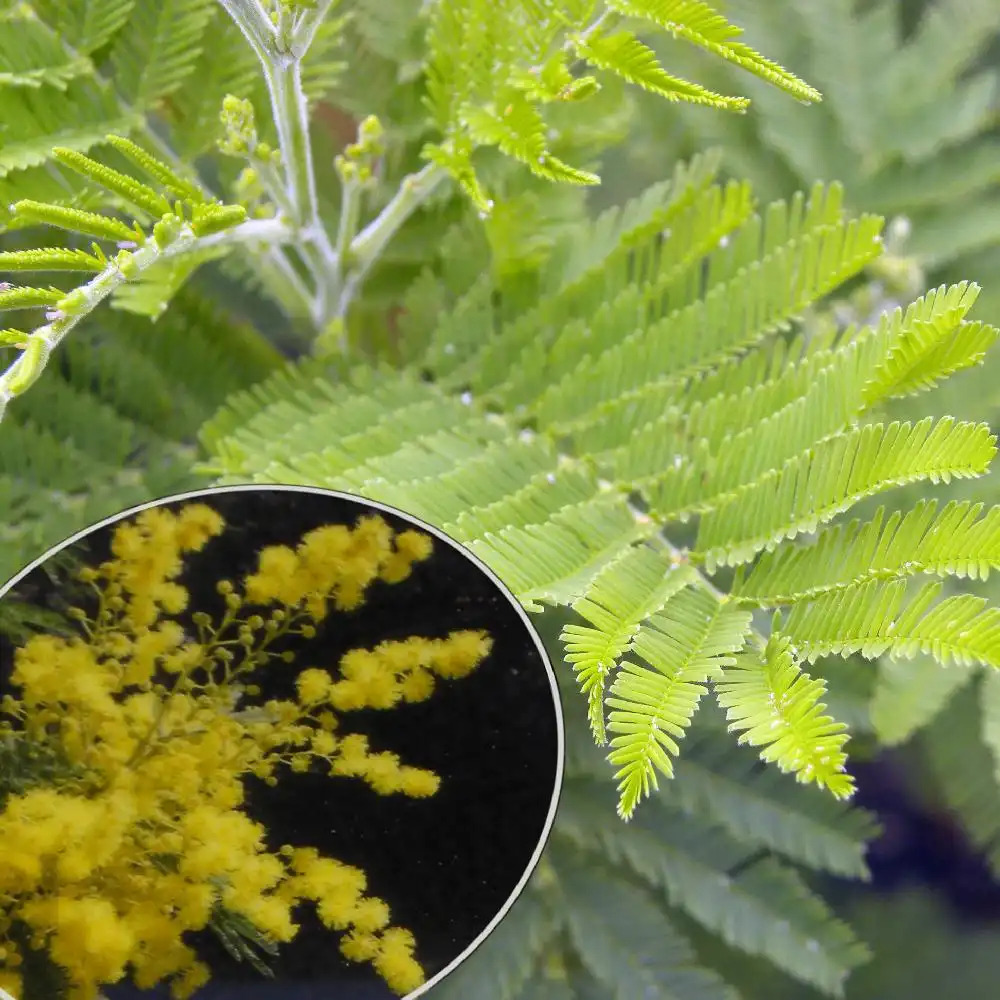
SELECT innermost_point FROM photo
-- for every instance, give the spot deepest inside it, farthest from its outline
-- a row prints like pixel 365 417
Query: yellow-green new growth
pixel 140 836
pixel 494 66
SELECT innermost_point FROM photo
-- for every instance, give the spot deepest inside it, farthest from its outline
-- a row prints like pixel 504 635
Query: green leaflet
pixel 89 24
pixel 755 904
pixel 545 417
pixel 107 430
pixel 934 166
pixel 829 478
pixel 51 259
pixel 27 297
pixel 990 707
pixel 722 785
pixel 483 56
pixel 78 118
pixel 733 313
pixel 683 645
pixel 963 767
pixel 625 942
pixel 157 48
pixel 615 603
pixel 697 22
pixel 133 191
pixel 622 53
pixel 910 693
pixel 518 129
pixel 31 56
pixel 161 172
pixel 554 561
pixel 876 618
pixel 956 541
pixel 74 220
pixel 774 705
pixel 768 808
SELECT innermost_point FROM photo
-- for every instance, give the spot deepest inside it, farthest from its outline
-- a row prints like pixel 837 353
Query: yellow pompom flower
pixel 395 962
pixel 277 568
pixel 86 936
pixel 359 947
pixel 418 783
pixel 460 653
pixel 196 525
pixel 312 686
pixel 370 915
pixel 418 685
pixel 414 545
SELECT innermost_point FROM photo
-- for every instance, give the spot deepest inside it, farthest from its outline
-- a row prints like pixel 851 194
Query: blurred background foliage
pixel 910 123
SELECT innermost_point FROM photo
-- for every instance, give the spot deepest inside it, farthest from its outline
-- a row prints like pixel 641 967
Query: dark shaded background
pixel 446 865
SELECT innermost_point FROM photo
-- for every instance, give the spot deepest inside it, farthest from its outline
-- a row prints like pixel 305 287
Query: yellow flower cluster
pixel 144 838
pixel 335 563
pixel 147 557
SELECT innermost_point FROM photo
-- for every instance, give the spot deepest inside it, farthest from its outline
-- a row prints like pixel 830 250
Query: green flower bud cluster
pixel 356 164
pixel 240 138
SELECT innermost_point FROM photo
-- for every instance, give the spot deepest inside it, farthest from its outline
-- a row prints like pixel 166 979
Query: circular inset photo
pixel 263 742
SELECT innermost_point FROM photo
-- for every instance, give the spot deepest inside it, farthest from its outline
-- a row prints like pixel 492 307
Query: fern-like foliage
pixel 685 643
pixel 775 705
pixel 936 167
pixel 126 66
pixel 494 66
pixel 567 395
pixel 559 437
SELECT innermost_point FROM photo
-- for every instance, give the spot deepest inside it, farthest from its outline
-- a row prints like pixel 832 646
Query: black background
pixel 445 865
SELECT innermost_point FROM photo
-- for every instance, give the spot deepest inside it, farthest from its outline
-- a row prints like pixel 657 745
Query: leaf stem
pixel 413 191
pixel 350 217
pixel 24 371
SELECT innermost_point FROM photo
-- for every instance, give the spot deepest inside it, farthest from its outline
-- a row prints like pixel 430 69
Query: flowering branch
pixel 277 257
pixel 122 721
pixel 280 49
pixel 69 309
pixel 367 246
pixel 337 266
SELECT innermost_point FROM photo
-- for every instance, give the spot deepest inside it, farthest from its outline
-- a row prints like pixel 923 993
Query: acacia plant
pixel 646 422
pixel 125 749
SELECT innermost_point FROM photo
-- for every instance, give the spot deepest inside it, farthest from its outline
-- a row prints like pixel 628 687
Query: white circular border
pixel 501 586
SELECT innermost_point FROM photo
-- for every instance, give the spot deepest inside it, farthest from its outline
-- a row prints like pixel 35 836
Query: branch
pixel 282 68
pixel 305 32
pixel 413 191
pixel 252 20
pixel 79 303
